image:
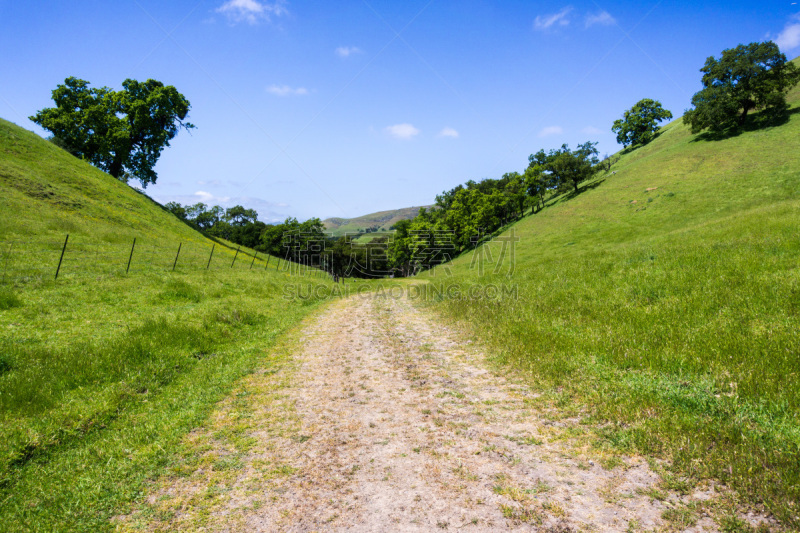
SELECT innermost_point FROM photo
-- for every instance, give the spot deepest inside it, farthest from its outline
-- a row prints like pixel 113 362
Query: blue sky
pixel 345 108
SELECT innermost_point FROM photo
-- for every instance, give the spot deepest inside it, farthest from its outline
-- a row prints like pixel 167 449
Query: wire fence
pixel 75 257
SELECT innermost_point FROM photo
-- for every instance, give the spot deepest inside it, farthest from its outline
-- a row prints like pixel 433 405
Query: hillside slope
pixel 664 302
pixel 52 194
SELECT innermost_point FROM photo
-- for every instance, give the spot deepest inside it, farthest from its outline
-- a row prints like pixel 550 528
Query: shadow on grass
pixel 754 122
pixel 589 186
pixel 632 148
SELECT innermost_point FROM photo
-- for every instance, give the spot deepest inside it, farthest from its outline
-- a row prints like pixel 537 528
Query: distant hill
pixel 380 221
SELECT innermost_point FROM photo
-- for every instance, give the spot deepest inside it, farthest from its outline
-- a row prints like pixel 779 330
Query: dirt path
pixel 389 423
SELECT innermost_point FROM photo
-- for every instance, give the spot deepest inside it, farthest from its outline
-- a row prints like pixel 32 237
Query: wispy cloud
pixel 285 90
pixel 449 132
pixel 251 11
pixel 603 18
pixel 545 22
pixel 591 130
pixel 208 198
pixel 550 131
pixel 402 131
pixel 789 38
pixel 347 51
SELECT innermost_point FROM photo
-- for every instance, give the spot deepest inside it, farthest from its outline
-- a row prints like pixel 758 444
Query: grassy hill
pixel 663 303
pixel 383 220
pixel 52 194
pixel 103 372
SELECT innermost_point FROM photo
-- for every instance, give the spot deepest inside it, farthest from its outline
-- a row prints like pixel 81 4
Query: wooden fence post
pixel 64 249
pixel 210 256
pixel 131 256
pixel 254 260
pixel 235 256
pixel 176 256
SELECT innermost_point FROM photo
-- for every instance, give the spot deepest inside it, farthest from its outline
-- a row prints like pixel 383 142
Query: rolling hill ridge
pixel 380 221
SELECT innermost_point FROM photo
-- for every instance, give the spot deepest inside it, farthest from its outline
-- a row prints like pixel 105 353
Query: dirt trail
pixel 401 427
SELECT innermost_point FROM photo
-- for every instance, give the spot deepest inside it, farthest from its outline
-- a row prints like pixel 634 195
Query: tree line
pixel 459 220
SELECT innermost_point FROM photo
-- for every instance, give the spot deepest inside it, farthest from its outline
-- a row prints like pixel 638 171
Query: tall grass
pixel 664 305
pixel 8 299
pixel 101 378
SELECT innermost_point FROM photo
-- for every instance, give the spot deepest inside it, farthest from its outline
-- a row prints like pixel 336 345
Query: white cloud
pixel 591 130
pixel 789 38
pixel 347 51
pixel 402 131
pixel 449 132
pixel 251 11
pixel 544 22
pixel 550 131
pixel 285 90
pixel 603 18
pixel 208 198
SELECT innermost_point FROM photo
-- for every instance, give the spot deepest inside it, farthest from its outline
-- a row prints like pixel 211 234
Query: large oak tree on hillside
pixel 745 78
pixel 121 132
pixel 639 124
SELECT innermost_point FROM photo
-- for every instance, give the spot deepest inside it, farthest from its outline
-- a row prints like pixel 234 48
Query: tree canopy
pixel 748 77
pixel 561 167
pixel 639 124
pixel 121 132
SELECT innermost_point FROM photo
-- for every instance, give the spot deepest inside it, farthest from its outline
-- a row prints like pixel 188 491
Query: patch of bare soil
pixel 396 424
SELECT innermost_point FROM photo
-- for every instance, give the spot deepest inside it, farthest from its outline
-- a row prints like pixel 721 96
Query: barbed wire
pixel 23 261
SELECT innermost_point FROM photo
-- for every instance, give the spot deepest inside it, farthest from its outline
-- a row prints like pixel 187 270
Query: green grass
pixel 102 379
pixel 52 194
pixel 103 373
pixel 665 299
pixel 8 299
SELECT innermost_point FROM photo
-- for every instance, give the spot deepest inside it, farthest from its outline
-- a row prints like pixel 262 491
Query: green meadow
pixel 662 305
pixel 101 372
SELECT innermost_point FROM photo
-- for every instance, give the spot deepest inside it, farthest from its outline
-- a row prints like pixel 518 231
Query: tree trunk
pixel 747 107
pixel 116 167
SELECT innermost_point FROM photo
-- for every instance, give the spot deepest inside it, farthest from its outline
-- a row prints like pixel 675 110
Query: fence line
pixel 30 260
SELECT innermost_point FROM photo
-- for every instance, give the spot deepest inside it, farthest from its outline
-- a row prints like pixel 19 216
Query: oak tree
pixel 121 132
pixel 745 78
pixel 639 124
